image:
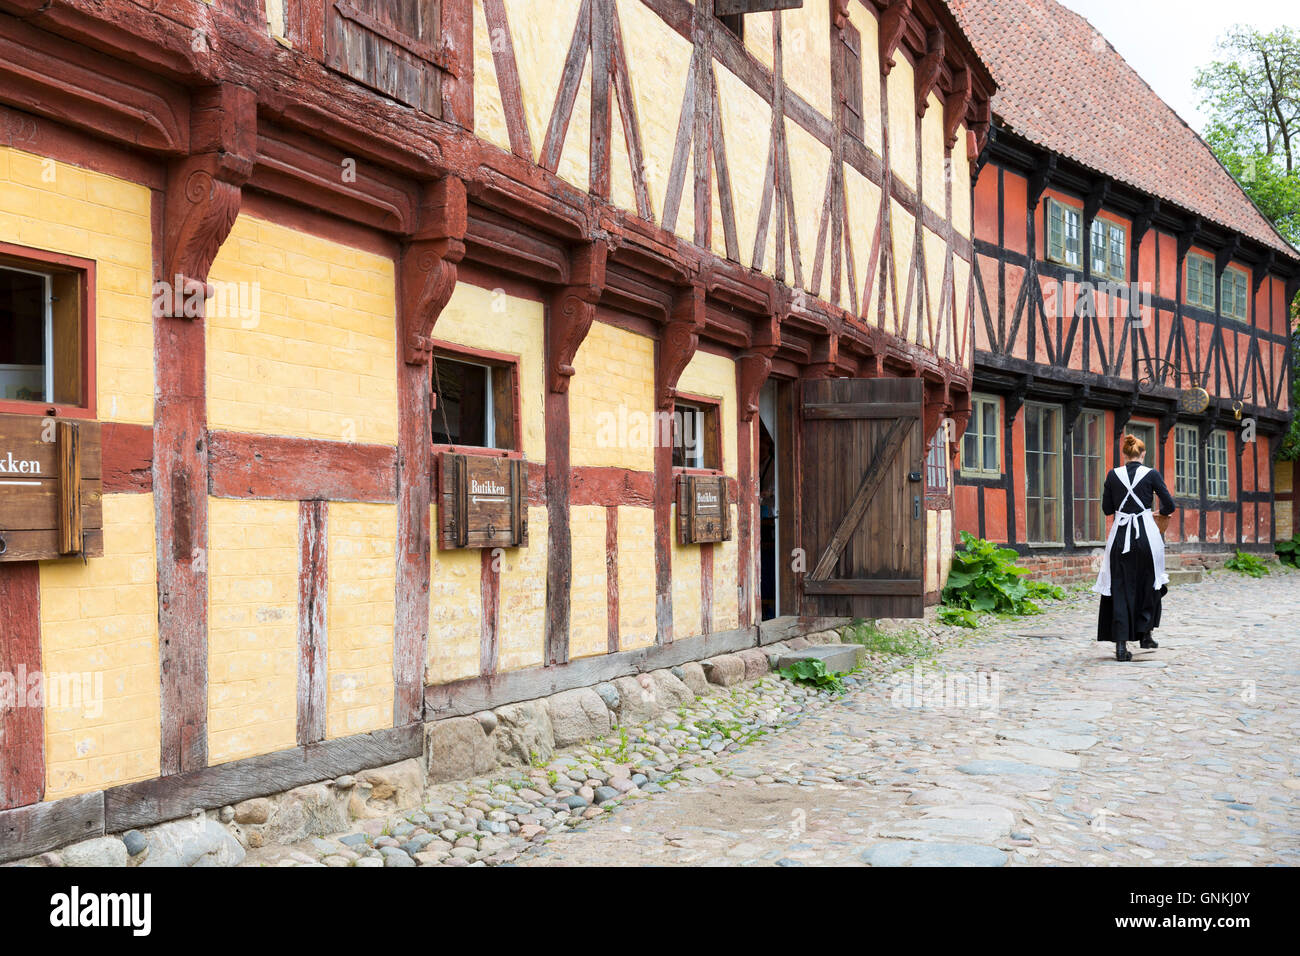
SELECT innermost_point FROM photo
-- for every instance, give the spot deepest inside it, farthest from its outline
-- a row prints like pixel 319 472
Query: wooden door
pixel 863 527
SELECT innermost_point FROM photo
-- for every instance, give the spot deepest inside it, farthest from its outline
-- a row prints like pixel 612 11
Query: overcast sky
pixel 1166 41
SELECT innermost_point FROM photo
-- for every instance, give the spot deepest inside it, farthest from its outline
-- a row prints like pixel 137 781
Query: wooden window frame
pixel 1216 471
pixel 1099 456
pixel 82 271
pixel 1187 467
pixel 712 433
pixel 1052 204
pixel 976 423
pixel 1060 475
pixel 1199 261
pixel 937 447
pixel 513 446
pixel 1152 428
pixel 1236 274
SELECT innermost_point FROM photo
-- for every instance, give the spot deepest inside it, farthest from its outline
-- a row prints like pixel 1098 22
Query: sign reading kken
pixel 50 488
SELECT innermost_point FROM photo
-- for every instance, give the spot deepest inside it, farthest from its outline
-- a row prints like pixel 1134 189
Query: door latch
pixel 916 507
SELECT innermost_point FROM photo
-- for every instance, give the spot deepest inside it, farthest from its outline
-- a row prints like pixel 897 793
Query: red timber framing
pixel 1037 341
pixel 239 121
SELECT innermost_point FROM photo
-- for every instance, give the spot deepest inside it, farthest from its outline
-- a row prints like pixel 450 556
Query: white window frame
pixel 1099 456
pixel 1058 453
pixel 1235 275
pixel 1217 487
pixel 1199 262
pixel 1107 230
pixel 489 402
pixel 1187 461
pixel 974 430
pixel 1071 229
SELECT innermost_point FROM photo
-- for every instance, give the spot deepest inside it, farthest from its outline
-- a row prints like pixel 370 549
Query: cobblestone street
pixel 1187 755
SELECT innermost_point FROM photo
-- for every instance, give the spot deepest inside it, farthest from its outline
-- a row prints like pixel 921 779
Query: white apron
pixel 1133 525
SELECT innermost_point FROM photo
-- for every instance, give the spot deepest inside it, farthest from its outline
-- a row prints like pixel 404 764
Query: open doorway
pixel 775 502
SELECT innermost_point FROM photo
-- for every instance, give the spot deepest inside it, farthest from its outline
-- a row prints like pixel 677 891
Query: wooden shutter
pixel 863 514
pixel 726 8
pixel 392 47
pixel 482 502
pixel 849 65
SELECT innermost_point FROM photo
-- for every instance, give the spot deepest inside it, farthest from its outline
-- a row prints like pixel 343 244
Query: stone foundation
pixel 1082 567
pixel 522 734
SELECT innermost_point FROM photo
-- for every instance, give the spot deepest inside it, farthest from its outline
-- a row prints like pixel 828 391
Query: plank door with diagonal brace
pixel 863 527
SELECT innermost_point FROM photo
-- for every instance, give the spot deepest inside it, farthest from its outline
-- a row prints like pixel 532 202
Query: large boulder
pixel 692 675
pixel 670 691
pixel 636 699
pixel 577 715
pixel 755 662
pixel 387 790
pixel 524 734
pixel 101 851
pixel 458 748
pixel 724 670
pixel 195 842
pixel 316 809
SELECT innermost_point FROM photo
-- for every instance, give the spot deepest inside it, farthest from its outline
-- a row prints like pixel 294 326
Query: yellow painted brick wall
pixel 362 589
pixel 318 359
pixel 99 621
pixel 521 634
pixel 455 612
pixel 807 53
pixel 809 166
pixel 714 376
pixel 636 579
pixel 489 114
pixel 589 597
pixel 541 44
pixel 726 580
pixel 658 61
pixel 933 176
pixel 611 400
pixel 901 86
pixel 904 226
pixel 862 197
pixel 961 187
pixel 687 586
pixel 56 207
pixel 747 126
pixel 492 319
pixel 869 30
pixel 253 557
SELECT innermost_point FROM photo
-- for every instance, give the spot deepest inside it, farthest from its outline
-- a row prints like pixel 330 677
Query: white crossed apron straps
pixel 1133 525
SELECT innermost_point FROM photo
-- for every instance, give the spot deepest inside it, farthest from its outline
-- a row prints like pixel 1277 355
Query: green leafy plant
pixel 985 580
pixel 1245 563
pixel 905 643
pixel 814 672
pixel 1288 552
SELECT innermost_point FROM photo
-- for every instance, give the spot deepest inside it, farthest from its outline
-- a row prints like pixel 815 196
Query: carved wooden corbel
pixel 928 70
pixel 677 343
pixel 825 356
pixel 954 106
pixel 1261 272
pixel 960 412
pixel 935 408
pixel 1041 178
pixel 428 266
pixel 840 13
pixel 204 192
pixel 573 308
pixel 755 364
pixel 893 22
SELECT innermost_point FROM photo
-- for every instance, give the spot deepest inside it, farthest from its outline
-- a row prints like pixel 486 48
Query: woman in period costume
pixel 1132 579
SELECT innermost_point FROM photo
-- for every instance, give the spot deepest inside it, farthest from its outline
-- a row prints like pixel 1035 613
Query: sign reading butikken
pixel 703 509
pixel 50 488
pixel 483 502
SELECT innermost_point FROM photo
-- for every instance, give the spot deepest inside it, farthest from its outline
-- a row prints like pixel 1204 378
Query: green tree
pixel 1252 95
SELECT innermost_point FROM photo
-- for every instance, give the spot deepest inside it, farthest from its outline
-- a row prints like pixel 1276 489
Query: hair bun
pixel 1133 447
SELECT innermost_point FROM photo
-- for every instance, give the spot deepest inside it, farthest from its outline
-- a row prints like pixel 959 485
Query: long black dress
pixel 1132 610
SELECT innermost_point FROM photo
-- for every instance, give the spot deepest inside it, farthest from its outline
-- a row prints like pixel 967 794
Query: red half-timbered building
pixel 1124 283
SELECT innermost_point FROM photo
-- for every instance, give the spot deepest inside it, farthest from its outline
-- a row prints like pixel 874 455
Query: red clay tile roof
pixel 1062 86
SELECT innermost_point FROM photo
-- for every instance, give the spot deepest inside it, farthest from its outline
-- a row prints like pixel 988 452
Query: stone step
pixel 1186 576
pixel 838 658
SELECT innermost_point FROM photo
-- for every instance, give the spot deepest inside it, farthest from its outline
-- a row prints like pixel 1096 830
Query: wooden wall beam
pixel 22 726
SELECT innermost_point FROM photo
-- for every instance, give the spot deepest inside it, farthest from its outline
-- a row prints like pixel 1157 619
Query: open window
pixel 697 440
pixel 46 333
pixel 475 401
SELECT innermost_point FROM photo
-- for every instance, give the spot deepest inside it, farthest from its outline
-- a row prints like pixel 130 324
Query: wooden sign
pixel 483 502
pixel 703 509
pixel 50 489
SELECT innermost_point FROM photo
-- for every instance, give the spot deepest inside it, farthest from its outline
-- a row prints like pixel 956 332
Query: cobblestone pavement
pixel 1039 748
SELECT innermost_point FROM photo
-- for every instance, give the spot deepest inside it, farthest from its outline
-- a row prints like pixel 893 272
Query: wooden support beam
pixel 893 22
pixel 570 312
pixel 200 205
pixel 426 279
pixel 22 725
pixel 955 104
pixel 313 602
pixel 929 69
